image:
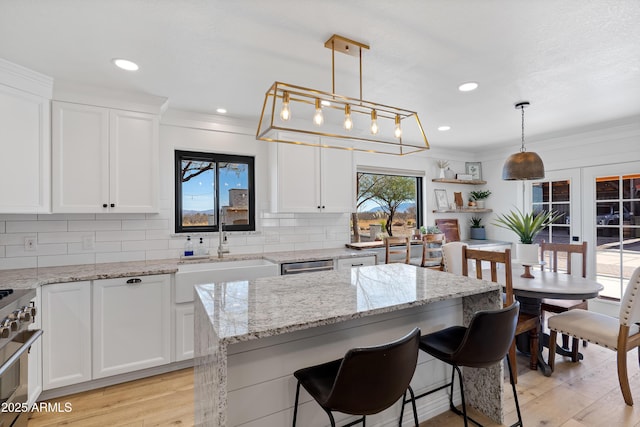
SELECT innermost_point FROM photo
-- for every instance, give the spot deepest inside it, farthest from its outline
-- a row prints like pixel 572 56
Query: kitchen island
pixel 252 335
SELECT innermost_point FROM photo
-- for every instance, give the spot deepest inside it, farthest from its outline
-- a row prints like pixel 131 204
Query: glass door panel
pixel 615 224
pixel 553 195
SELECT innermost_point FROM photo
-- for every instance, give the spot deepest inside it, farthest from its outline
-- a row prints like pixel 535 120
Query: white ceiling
pixel 576 61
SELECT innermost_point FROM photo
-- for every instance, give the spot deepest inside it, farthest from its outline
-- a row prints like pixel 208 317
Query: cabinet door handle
pixel 322 206
pixel 318 207
pixel 134 281
pixel 113 205
pixel 357 265
pixel 104 205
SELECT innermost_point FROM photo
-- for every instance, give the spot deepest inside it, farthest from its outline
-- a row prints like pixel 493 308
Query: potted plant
pixel 527 226
pixel 477 229
pixel 479 197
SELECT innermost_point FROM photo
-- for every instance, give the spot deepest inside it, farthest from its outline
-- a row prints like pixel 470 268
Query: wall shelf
pixel 459 181
pixel 463 210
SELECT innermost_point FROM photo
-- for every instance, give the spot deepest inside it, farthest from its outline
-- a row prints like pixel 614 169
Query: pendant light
pixel 525 165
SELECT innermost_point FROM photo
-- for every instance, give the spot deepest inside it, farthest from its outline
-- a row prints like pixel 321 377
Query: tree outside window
pixel 391 203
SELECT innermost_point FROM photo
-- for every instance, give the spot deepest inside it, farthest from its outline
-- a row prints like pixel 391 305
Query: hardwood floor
pixel 584 394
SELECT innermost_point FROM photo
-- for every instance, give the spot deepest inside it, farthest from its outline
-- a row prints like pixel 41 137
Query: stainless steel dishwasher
pixel 306 266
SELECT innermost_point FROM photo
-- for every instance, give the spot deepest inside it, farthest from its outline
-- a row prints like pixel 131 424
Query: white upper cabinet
pixel 104 160
pixel 25 155
pixel 311 179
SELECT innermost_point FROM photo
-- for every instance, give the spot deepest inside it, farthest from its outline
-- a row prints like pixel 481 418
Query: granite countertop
pixel 282 304
pixel 33 277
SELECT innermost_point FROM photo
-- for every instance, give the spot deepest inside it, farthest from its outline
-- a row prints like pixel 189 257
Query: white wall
pixel 135 237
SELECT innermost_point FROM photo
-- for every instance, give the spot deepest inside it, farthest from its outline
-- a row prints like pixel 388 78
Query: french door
pixel 559 191
pixel 611 208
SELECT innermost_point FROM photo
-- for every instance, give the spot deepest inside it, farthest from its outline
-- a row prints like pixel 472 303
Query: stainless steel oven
pixel 17 312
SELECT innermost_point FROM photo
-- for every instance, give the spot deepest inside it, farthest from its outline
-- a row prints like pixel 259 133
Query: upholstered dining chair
pixel 452 257
pixel 620 335
pixel 526 322
pixel 483 344
pixel 549 253
pixel 365 381
pixel 397 245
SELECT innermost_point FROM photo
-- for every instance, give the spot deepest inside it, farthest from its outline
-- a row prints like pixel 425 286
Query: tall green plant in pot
pixel 527 226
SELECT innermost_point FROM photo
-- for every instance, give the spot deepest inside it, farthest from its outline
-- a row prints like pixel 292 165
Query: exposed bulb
pixel 374 122
pixel 398 130
pixel 318 118
pixel 285 113
pixel 348 123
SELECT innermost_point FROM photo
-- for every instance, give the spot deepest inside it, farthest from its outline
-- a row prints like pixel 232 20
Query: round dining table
pixel 547 284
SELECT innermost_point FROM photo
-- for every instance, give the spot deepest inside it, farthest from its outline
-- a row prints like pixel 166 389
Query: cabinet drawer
pixel 346 263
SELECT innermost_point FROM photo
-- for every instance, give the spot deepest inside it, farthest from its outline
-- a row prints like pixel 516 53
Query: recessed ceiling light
pixel 444 128
pixel 221 110
pixel 125 64
pixel 468 86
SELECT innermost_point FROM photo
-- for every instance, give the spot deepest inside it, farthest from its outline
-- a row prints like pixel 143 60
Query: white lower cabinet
pixel 184 331
pixel 34 380
pixel 348 263
pixel 131 324
pixel 106 327
pixel 66 341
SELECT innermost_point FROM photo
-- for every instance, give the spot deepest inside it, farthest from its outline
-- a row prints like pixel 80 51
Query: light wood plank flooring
pixel 576 395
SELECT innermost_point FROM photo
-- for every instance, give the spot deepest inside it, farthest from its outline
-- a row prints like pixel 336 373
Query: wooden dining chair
pixel 397 246
pixel 549 254
pixel 526 322
pixel 620 334
pixel 432 251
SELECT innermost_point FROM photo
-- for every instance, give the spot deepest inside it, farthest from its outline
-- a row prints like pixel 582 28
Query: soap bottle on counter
pixel 188 247
pixel 202 250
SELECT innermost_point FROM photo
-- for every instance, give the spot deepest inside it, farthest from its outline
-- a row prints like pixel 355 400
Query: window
pixel 617 229
pixel 386 205
pixel 553 195
pixel 213 189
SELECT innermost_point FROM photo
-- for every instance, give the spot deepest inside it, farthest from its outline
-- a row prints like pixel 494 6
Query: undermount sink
pixel 189 275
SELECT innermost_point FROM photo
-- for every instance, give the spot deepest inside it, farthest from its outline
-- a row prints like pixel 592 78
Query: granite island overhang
pixel 252 335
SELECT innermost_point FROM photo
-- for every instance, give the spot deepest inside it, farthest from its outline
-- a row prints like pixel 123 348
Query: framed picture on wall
pixel 442 203
pixel 474 169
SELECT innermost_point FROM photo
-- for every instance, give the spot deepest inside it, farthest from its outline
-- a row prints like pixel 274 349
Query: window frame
pixel 420 208
pixel 179 156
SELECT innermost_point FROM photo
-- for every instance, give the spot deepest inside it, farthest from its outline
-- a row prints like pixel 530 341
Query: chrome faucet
pixel 222 236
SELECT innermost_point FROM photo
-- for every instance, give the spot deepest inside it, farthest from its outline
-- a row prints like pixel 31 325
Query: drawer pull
pixel 134 281
pixel 357 265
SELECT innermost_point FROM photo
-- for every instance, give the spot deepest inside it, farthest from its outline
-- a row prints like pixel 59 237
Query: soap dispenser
pixel 202 250
pixel 188 247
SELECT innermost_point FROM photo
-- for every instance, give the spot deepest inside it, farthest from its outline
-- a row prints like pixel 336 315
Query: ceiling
pixel 576 61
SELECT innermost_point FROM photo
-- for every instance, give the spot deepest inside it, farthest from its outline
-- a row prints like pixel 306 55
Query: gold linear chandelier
pixel 298 115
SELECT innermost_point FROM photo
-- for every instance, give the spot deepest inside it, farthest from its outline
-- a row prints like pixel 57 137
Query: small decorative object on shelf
pixel 442 164
pixel 464 177
pixel 441 199
pixel 474 169
pixel 458 198
pixel 479 197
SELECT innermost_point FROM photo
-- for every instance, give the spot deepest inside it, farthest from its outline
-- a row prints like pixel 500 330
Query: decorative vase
pixel 478 233
pixel 449 174
pixel 441 172
pixel 528 253
pixel 480 204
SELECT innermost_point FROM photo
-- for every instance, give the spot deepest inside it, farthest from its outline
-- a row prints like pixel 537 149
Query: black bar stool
pixel 365 381
pixel 483 344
